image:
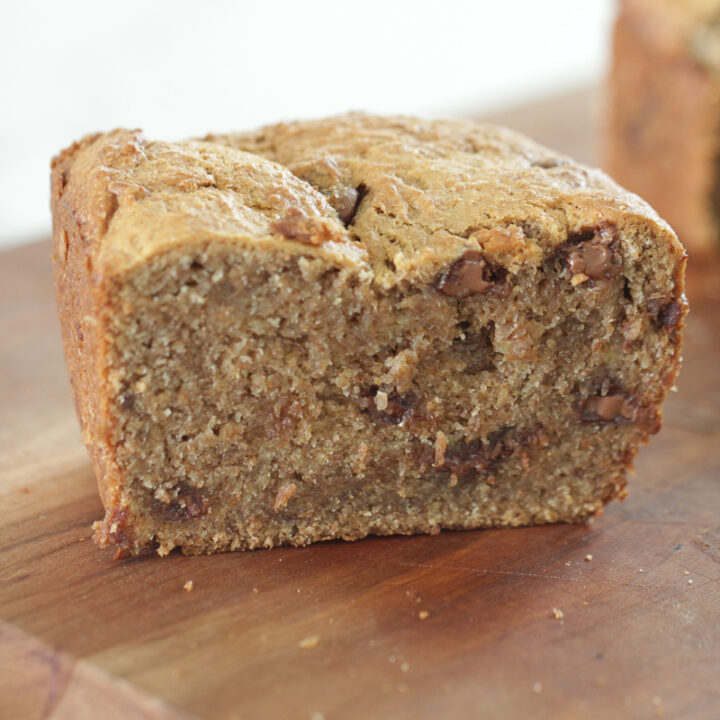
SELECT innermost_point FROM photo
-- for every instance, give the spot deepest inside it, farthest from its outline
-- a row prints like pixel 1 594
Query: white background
pixel 177 69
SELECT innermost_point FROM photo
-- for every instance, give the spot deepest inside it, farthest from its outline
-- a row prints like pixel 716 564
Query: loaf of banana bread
pixel 663 129
pixel 355 326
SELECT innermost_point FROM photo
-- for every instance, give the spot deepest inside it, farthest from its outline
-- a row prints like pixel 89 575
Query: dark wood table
pixel 461 625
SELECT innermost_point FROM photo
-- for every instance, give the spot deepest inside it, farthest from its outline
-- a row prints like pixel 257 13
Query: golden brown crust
pixel 79 303
pixel 432 189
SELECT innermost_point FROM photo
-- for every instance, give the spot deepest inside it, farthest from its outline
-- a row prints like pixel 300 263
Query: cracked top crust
pixel 400 197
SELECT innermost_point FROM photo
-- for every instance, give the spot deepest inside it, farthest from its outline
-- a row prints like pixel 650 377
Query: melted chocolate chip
pixel 593 254
pixel 188 504
pixel 608 408
pixel 670 315
pixel 472 274
pixel 344 204
pixel 477 457
pixel 294 225
pixel 127 401
pixel 619 408
pixel 666 313
pixel 346 201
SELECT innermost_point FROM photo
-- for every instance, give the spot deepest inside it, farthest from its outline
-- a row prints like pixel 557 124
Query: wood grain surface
pixel 488 624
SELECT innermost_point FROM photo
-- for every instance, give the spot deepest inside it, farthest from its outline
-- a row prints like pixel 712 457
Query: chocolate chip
pixel 607 408
pixel 666 313
pixel 294 225
pixel 188 504
pixel 346 201
pixel 627 293
pixel 344 204
pixel 593 254
pixel 398 407
pixel 670 315
pixel 472 274
pixel 477 457
pixel 127 401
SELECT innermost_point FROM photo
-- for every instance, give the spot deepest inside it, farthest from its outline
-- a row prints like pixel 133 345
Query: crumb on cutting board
pixel 309 642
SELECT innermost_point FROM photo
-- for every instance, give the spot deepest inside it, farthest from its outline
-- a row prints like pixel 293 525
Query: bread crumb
pixel 440 448
pixel 578 279
pixel 588 558
pixel 659 708
pixel 405 667
pixel 284 493
pixel 537 687
pixel 686 572
pixel 690 582
pixel 453 480
pixel 558 613
pixel 189 585
pixel 585 603
pixel 256 591
pixel 640 570
pixel 310 642
pixel 381 400
pixel 316 716
pixel 423 614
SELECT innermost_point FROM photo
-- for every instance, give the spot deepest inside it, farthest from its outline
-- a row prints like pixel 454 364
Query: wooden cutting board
pixel 618 619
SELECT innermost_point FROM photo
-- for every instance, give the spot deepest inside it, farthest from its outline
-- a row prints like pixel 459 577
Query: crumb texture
pixel 356 325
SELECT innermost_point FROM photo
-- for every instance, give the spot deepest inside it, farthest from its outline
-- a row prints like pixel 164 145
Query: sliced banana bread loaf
pixel 356 326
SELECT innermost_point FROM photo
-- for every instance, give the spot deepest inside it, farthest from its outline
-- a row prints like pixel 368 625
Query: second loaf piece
pixel 663 130
pixel 357 325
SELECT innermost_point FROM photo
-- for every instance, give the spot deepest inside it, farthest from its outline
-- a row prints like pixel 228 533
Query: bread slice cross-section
pixel 356 326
